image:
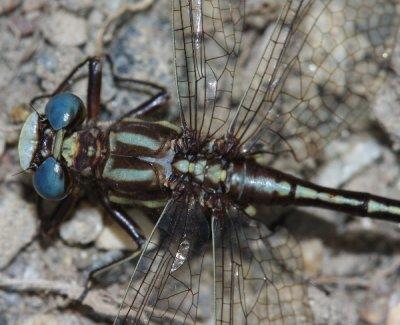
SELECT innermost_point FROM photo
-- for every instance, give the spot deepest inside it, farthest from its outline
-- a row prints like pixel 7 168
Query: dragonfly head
pixel 40 144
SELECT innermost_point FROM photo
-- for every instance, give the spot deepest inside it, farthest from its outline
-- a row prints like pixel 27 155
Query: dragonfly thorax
pixel 83 150
pixel 209 173
pixel 138 162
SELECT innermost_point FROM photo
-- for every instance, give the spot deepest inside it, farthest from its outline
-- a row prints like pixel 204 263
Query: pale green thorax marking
pixel 250 211
pixel 126 174
pixel 70 148
pixel 216 173
pixel 152 204
pixel 182 166
pixel 91 151
pixel 137 139
pixel 198 169
pixel 169 125
pixel 58 143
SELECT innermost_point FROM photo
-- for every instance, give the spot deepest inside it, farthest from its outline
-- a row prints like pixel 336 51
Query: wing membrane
pixel 165 284
pixel 317 71
pixel 258 275
pixel 207 35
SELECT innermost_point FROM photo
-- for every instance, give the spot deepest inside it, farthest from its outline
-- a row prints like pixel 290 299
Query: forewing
pixel 324 60
pixel 207 36
pixel 165 284
pixel 258 274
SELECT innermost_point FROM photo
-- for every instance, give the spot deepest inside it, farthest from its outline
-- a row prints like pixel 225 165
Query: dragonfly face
pixel 41 142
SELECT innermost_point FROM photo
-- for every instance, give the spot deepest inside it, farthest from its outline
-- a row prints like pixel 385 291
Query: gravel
pixel 84 228
pixel 65 29
pixel 18 224
pixel 41 41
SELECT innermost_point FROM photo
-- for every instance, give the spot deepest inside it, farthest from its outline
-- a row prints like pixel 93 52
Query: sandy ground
pixel 356 261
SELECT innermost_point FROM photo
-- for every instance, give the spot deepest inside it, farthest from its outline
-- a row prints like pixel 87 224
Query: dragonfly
pixel 322 59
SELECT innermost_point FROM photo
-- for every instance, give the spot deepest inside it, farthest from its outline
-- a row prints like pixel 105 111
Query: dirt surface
pixel 356 261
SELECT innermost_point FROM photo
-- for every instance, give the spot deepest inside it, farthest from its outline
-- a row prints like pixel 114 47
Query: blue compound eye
pixel 64 109
pixel 51 181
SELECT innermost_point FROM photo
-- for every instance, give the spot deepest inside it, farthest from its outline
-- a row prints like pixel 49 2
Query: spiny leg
pixel 63 85
pixel 155 102
pixel 94 85
pixel 130 227
pixel 94 89
pixel 62 210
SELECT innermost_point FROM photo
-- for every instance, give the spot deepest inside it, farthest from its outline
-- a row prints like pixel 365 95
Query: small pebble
pixel 65 29
pixel 32 5
pixel 18 224
pixel 393 317
pixel 313 253
pixel 353 156
pixel 19 113
pixel 335 308
pixel 76 5
pixel 22 26
pixel 84 227
pixel 54 65
pixel 386 110
pixel 371 312
pixel 42 319
pixel 7 6
pixel 2 143
pixel 114 238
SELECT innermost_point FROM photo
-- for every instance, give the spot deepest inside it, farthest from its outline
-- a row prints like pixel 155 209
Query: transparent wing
pixel 207 36
pixel 165 284
pixel 323 61
pixel 258 274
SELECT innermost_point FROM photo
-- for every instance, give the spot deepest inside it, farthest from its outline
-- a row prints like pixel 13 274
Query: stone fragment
pixel 352 156
pixel 18 224
pixel 2 143
pixel 65 29
pixel 113 237
pixel 32 5
pixel 335 308
pixel 386 110
pixel 313 253
pixel 76 5
pixel 42 319
pixel 7 6
pixel 393 317
pixel 53 65
pixel 84 227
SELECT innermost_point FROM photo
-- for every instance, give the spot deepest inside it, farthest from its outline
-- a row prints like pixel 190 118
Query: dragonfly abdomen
pixel 249 182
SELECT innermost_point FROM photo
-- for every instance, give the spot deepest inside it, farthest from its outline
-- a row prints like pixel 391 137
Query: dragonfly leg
pixel 157 100
pixel 50 222
pixel 93 85
pixel 104 265
pixel 150 105
pixel 131 228
pixel 94 88
pixel 125 222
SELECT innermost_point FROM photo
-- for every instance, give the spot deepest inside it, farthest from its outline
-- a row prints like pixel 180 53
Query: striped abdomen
pixel 249 182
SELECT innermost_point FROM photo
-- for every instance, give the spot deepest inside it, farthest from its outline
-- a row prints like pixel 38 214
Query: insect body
pixel 146 163
pixel 203 181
